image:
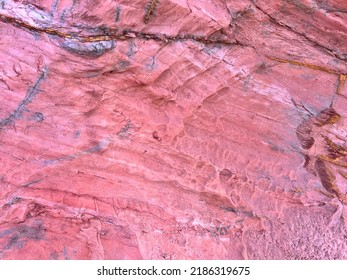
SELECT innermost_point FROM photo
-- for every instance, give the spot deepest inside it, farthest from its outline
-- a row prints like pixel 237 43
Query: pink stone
pixel 216 130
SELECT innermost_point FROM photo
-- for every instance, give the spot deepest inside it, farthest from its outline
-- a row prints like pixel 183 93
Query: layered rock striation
pixel 173 129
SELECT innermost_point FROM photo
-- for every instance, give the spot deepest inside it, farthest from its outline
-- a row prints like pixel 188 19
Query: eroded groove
pixel 335 150
pixel 307 65
pixel 116 34
pixel 327 116
pixel 303 132
pixel 305 129
pixel 325 175
pixel 328 180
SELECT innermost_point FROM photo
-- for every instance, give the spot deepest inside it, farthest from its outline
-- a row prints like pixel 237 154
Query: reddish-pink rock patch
pixel 215 130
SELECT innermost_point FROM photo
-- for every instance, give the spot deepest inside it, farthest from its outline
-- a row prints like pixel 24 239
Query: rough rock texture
pixel 183 129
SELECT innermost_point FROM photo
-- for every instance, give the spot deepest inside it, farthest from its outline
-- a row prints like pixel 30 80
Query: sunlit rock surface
pixel 201 130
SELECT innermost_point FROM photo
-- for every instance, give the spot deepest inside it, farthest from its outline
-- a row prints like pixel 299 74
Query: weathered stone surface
pixel 205 130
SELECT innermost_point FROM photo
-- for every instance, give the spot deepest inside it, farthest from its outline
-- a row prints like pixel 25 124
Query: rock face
pixel 173 130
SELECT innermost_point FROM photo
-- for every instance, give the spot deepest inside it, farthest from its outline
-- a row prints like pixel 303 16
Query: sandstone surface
pixel 178 129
